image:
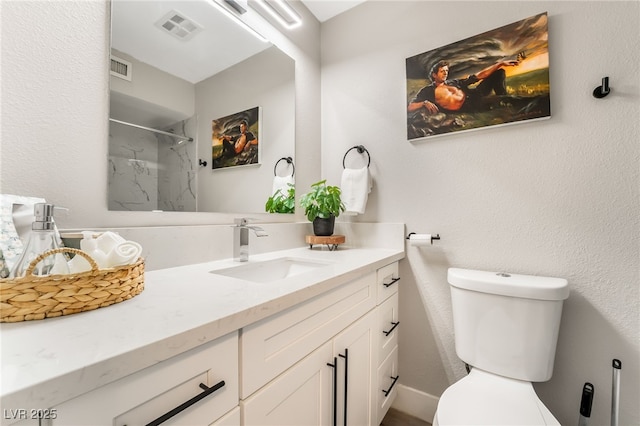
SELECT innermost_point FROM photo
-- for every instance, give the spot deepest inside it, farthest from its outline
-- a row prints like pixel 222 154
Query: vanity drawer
pixel 388 326
pixel 150 393
pixel 387 281
pixel 274 344
pixel 387 383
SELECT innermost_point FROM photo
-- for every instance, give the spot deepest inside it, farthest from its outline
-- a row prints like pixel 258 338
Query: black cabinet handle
pixel 393 281
pixel 395 324
pixel 335 389
pixel 388 391
pixel 207 391
pixel 346 374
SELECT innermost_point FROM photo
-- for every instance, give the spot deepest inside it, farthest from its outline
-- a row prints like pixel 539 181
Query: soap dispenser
pixel 42 238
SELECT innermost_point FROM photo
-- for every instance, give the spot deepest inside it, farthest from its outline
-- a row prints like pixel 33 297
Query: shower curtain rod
pixel 153 130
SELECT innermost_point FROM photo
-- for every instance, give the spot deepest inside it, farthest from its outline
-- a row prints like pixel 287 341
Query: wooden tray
pixel 331 241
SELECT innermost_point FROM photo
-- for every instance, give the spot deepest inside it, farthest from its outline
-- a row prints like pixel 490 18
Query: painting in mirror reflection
pixel 235 139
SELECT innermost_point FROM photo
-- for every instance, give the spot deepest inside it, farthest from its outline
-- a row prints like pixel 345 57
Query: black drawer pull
pixel 346 375
pixel 335 389
pixel 207 391
pixel 388 391
pixel 395 324
pixel 393 281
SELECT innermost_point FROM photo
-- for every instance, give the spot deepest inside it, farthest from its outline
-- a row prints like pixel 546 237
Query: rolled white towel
pixel 124 253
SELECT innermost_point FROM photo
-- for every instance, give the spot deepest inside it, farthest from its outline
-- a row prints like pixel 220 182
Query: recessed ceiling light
pixel 237 20
pixel 281 12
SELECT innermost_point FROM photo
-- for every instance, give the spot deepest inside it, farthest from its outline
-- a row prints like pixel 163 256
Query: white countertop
pixel 49 361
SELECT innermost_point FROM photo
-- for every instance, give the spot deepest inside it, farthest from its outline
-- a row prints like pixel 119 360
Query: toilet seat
pixel 483 398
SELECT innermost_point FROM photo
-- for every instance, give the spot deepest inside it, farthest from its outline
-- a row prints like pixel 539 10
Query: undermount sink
pixel 270 270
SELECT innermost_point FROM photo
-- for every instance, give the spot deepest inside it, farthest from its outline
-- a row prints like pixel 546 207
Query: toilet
pixel 506 330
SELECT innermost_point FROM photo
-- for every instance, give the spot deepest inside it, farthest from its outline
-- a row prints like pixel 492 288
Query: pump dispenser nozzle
pixel 43 213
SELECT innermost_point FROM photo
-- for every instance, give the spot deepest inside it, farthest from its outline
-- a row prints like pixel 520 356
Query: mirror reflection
pixel 177 69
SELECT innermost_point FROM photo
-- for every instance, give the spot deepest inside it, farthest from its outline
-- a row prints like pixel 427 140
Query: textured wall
pixel 558 197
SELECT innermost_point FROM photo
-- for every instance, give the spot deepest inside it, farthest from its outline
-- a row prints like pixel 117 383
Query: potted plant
pixel 321 206
pixel 281 203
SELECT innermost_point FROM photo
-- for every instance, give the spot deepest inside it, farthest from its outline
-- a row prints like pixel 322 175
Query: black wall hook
pixel 202 163
pixel 602 91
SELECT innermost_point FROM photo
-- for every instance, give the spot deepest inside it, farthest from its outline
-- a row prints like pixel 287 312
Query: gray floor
pixel 398 418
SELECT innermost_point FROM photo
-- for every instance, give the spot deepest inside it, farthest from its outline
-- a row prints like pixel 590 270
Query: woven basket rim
pixel 57 277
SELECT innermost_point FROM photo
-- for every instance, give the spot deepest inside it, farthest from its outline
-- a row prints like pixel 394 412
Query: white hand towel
pixel 107 241
pixel 355 185
pixel 124 254
pixel 282 183
pixel 79 264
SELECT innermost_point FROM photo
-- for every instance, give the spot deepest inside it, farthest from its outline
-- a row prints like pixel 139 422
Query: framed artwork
pixel 495 78
pixel 234 139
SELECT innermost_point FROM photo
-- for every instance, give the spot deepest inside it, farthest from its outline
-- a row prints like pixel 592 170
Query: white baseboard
pixel 415 403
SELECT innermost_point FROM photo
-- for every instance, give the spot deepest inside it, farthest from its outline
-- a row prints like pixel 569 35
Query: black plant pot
pixel 323 227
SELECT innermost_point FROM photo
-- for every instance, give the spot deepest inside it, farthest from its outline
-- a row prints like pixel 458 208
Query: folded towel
pixel 282 183
pixel 124 253
pixel 78 264
pixel 355 185
pixel 107 241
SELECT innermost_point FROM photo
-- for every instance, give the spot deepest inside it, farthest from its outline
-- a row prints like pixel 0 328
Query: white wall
pixel 176 99
pixel 555 198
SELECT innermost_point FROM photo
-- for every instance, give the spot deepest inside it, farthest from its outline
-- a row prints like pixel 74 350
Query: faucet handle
pixel 243 221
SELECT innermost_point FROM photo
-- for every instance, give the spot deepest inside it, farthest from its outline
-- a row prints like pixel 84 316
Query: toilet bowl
pixel 506 327
pixel 483 398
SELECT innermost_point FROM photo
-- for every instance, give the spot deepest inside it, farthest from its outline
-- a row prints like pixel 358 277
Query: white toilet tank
pixel 507 324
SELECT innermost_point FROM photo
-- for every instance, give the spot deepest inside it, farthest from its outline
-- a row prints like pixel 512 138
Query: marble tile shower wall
pixel 177 166
pixel 149 171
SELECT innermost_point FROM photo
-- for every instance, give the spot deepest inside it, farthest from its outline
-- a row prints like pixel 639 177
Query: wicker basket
pixel 33 297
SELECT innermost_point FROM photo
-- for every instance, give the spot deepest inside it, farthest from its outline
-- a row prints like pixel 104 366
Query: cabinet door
pixel 26 417
pixel 205 379
pixel 232 418
pixel 357 364
pixel 303 395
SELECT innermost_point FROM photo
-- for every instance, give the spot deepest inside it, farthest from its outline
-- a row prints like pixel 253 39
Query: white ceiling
pixel 327 9
pixel 134 32
pixel 219 44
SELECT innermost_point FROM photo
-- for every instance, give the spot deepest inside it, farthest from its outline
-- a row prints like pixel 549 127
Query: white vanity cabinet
pixel 320 362
pixel 200 386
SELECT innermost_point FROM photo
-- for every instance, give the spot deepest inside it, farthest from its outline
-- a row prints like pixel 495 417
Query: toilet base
pixel 483 398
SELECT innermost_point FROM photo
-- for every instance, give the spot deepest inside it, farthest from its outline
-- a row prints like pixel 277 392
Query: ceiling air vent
pixel 121 68
pixel 178 25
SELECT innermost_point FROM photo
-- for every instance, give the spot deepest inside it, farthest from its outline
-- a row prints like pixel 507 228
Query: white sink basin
pixel 271 270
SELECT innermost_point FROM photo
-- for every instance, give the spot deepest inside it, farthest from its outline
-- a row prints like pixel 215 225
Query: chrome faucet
pixel 241 238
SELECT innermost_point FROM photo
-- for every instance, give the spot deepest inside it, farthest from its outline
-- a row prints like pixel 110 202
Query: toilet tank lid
pixel 506 284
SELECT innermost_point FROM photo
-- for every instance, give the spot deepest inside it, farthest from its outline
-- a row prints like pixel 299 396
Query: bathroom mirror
pixel 176 66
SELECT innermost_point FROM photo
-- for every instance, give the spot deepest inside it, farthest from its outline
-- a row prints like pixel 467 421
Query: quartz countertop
pixel 49 361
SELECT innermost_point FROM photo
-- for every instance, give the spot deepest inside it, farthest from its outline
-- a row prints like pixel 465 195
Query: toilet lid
pixel 487 399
